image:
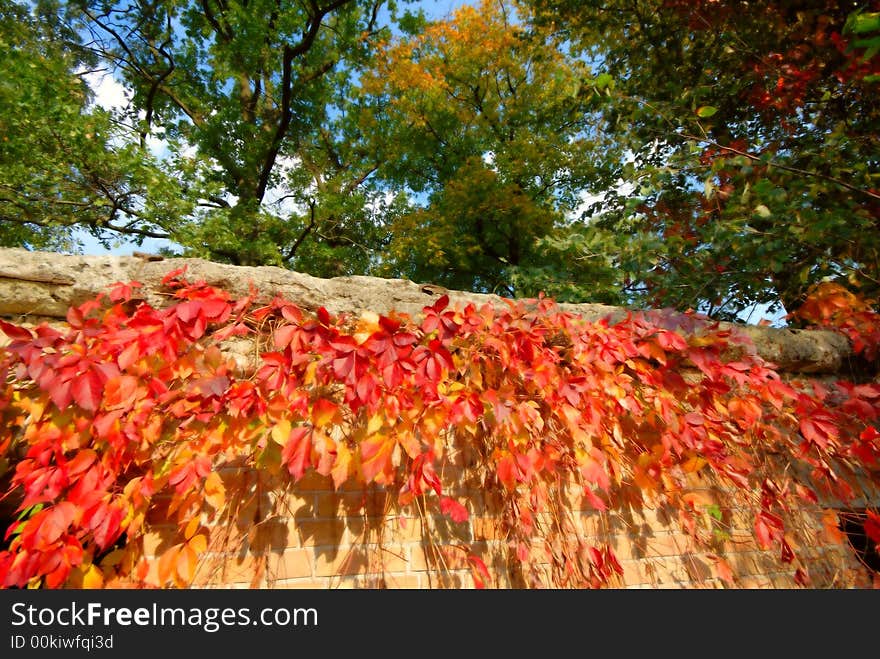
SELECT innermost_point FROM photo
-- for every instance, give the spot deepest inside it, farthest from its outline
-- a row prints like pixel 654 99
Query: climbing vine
pixel 130 409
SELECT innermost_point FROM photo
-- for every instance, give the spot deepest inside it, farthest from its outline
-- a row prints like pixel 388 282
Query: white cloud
pixel 589 198
pixel 110 94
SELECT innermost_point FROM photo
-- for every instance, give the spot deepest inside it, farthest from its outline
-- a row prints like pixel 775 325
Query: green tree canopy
pixel 493 129
pixel 748 135
pixel 704 154
pixel 63 163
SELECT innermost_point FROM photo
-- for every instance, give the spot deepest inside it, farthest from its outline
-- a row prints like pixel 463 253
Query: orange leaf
pixel 215 492
pixel 54 523
pixel 167 561
pixel 187 560
pixel 324 412
pixel 198 543
pixel 342 467
pixel 725 573
pixel 191 528
pixel 376 456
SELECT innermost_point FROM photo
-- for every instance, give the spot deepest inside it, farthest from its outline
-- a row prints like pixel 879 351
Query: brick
pixel 439 557
pixel 360 559
pixel 234 569
pixel 656 518
pixel 669 544
pixel 296 504
pixel 290 564
pixel 753 582
pixel 666 571
pixel 591 525
pixel 341 504
pixel 388 581
pixel 305 583
pixel 332 532
pixel 403 530
pixel 313 481
pixel 633 573
pixel 269 536
pixel 451 580
pixel 486 528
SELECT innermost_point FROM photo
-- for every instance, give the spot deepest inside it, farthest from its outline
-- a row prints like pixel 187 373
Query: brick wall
pixel 310 536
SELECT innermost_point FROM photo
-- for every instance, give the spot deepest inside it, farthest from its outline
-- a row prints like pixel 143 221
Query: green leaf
pixel 603 81
pixel 706 111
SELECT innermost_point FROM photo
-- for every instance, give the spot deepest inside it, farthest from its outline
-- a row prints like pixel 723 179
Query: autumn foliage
pixel 830 305
pixel 133 408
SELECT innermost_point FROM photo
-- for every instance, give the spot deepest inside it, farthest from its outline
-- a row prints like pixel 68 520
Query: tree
pixel 489 130
pixel 249 101
pixel 64 163
pixel 746 151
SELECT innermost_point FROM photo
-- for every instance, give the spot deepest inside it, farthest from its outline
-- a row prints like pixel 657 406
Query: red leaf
pixel 86 390
pixel 324 316
pixel 292 313
pixel 787 555
pixel 454 509
pixel 506 471
pixel 724 571
pixel 121 292
pixel 817 431
pixel 174 274
pixel 595 501
pixel 15 332
pixel 284 335
pixel 53 524
pixel 82 461
pixel 479 571
pixel 671 341
pixel 801 578
pixel 297 452
pixel 128 356
pixel 390 325
pixel 872 527
pixel 104 522
pixel 60 394
pixel 441 303
pixel 214 308
pixel 342 366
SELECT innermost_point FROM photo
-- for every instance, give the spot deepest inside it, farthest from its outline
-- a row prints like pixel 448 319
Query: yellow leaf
pixel 310 374
pixel 281 432
pixel 93 578
pixel 694 464
pixel 368 323
pixel 198 543
pixel 191 528
pixel 375 424
pixel 215 492
pixel 342 467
